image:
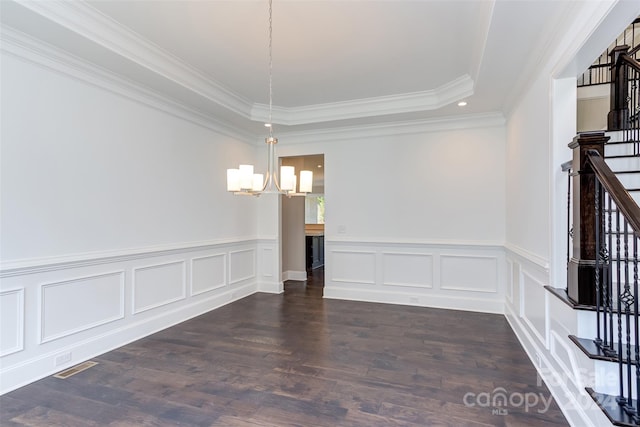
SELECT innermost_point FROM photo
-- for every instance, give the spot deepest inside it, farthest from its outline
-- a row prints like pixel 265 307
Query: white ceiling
pixel 335 63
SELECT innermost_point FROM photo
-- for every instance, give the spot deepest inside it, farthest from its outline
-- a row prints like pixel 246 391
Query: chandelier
pixel 243 181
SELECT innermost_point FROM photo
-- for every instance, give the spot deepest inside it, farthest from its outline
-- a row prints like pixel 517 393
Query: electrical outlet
pixel 63 358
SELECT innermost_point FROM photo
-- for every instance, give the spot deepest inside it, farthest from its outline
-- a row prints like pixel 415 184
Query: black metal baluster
pixel 569 228
pixel 621 397
pixel 598 339
pixel 610 276
pixel 627 299
pixel 633 108
pixel 605 274
pixel 630 106
pixel 635 111
pixel 636 418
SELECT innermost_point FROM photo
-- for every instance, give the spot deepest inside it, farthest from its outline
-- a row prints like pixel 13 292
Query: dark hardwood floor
pixel 298 360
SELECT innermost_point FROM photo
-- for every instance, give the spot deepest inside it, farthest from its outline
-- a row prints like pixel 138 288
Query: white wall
pixel 85 170
pixel 445 185
pixel 527 179
pixel 115 221
pixel 414 218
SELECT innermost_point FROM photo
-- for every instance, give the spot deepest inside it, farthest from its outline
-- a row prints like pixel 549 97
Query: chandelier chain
pixel 270 68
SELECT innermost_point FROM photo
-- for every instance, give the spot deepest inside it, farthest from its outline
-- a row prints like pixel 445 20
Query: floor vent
pixel 75 369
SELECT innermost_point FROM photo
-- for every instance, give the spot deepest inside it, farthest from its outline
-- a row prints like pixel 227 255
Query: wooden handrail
pixel 630 61
pixel 616 190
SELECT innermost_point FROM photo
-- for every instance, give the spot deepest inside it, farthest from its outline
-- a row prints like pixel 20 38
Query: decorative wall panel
pixel 208 273
pixel 74 305
pixel 11 321
pixel 469 273
pixel 353 267
pixel 407 269
pixel 158 285
pixel 242 265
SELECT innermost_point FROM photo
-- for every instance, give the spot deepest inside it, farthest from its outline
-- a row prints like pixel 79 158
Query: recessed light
pixel 462 103
pixel 268 125
pixel 319 166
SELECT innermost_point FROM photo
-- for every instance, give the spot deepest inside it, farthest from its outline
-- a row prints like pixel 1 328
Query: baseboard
pixel 271 287
pixel 483 305
pixel 294 275
pixel 42 365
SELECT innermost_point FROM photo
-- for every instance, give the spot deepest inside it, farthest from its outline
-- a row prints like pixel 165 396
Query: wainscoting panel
pixel 452 275
pixel 469 273
pixel 269 278
pixel 158 285
pixel 407 269
pixel 564 354
pixel 54 315
pixel 72 306
pixel 534 309
pixel 542 323
pixel 267 263
pixel 208 273
pixel 242 265
pixel 11 321
pixel 511 271
pixel 353 267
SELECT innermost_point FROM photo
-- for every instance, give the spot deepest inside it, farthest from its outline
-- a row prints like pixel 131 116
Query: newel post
pixel 619 114
pixel 581 272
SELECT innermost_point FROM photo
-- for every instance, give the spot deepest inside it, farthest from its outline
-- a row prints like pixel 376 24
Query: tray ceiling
pixel 335 63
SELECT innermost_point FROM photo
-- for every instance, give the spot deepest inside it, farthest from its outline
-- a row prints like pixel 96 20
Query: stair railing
pixel 625 95
pixel 617 232
pixel 600 71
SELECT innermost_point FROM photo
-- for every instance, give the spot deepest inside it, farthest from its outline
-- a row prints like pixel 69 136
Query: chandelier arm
pixel 272 175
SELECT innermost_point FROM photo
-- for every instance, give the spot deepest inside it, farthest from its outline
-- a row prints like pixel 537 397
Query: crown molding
pixel 468 121
pixel 39 53
pixel 90 23
pixel 449 92
pixel 485 18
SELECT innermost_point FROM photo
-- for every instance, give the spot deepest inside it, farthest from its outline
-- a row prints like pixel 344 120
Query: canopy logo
pixel 499 400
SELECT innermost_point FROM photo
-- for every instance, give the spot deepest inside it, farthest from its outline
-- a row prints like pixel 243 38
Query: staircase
pixel 603 273
pixel 606 270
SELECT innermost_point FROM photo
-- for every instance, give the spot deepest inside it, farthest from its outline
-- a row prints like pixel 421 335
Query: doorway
pixel 302 228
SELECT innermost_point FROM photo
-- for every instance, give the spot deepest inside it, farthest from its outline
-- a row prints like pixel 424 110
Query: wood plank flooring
pixel 298 360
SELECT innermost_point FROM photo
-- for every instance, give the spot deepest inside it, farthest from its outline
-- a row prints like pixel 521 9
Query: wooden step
pixel 612 410
pixel 589 347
